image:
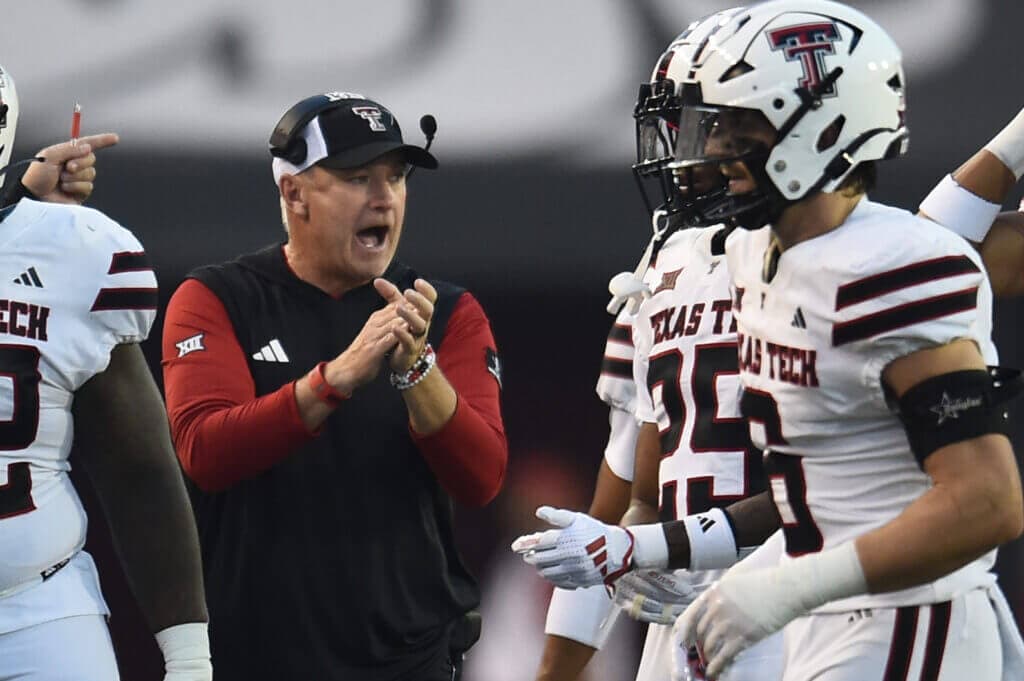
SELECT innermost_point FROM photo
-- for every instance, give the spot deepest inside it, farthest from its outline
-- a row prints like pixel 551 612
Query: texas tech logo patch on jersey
pixel 190 344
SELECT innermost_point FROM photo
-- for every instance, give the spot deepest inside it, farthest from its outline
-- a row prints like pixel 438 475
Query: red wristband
pixel 324 391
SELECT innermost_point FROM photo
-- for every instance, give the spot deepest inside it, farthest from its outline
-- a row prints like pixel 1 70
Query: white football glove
pixel 746 606
pixel 583 552
pixel 186 650
pixel 721 627
pixel 655 596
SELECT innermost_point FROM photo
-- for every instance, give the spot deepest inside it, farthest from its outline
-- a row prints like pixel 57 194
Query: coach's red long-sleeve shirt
pixel 224 433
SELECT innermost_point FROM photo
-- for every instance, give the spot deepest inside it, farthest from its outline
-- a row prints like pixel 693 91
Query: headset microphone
pixel 428 124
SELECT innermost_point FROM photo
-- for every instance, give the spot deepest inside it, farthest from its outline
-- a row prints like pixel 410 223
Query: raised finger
pixel 426 289
pixel 422 304
pixel 100 140
pixel 417 324
pixel 387 290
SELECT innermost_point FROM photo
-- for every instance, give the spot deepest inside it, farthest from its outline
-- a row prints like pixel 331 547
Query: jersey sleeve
pixel 615 383
pixel 620 452
pixel 124 301
pixel 643 406
pixel 931 296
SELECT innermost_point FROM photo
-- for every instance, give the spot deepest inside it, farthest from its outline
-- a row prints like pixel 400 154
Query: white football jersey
pixel 73 284
pixel 616 389
pixel 812 346
pixel 687 379
pixel 615 383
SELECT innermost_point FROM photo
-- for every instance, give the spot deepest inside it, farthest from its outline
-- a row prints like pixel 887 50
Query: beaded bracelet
pixel 418 371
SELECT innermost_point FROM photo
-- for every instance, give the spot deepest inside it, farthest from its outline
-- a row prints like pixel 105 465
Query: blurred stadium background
pixel 534 207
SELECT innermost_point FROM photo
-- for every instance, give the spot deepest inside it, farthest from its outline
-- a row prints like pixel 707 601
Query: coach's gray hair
pixel 284 214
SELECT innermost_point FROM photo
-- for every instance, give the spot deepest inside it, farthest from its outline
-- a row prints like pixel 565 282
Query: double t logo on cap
pixel 371 115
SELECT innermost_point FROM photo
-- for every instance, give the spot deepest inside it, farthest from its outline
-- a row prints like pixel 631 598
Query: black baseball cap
pixel 341 130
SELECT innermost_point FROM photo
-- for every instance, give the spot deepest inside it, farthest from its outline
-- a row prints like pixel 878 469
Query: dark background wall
pixel 534 224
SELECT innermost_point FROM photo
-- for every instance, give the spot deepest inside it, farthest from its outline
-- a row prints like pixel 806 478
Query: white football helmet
pixel 824 75
pixel 657 120
pixel 8 119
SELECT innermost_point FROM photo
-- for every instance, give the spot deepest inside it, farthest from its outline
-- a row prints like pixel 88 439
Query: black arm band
pixel 957 406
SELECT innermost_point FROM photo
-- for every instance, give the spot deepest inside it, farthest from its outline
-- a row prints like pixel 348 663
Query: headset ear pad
pixel 294 152
pixel 286 141
pixel 287 145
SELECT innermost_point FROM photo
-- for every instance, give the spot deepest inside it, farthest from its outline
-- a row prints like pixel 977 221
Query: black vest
pixel 339 562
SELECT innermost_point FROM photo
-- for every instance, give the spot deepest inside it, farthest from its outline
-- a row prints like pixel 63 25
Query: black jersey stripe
pixel 938 630
pixel 903 277
pixel 617 368
pixel 621 333
pixel 129 261
pixel 904 315
pixel 125 299
pixel 904 631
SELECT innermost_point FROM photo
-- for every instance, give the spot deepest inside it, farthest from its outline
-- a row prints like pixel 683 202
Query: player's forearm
pixel 951 524
pixel 985 176
pixel 639 513
pixel 563 659
pixel 750 522
pixel 611 496
pixel 155 534
pixel 133 470
pixel 1003 253
pixel 754 519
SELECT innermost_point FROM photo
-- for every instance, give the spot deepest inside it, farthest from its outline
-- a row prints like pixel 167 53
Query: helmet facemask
pixel 718 148
pixel 657 121
pixel 678 196
pixel 8 119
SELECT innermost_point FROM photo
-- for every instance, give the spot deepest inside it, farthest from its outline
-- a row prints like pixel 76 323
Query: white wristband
pixel 819 578
pixel 582 615
pixel 186 650
pixel 650 548
pixel 712 544
pixel 1008 145
pixel 960 211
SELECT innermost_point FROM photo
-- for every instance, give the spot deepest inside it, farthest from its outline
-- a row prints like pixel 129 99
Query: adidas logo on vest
pixel 271 352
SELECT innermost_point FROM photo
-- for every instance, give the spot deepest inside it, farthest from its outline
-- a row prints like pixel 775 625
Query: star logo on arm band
pixel 950 408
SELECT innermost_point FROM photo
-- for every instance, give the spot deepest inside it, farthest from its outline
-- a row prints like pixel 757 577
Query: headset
pixel 286 141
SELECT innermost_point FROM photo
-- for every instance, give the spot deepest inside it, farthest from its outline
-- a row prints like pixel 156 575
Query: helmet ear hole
pixel 830 135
